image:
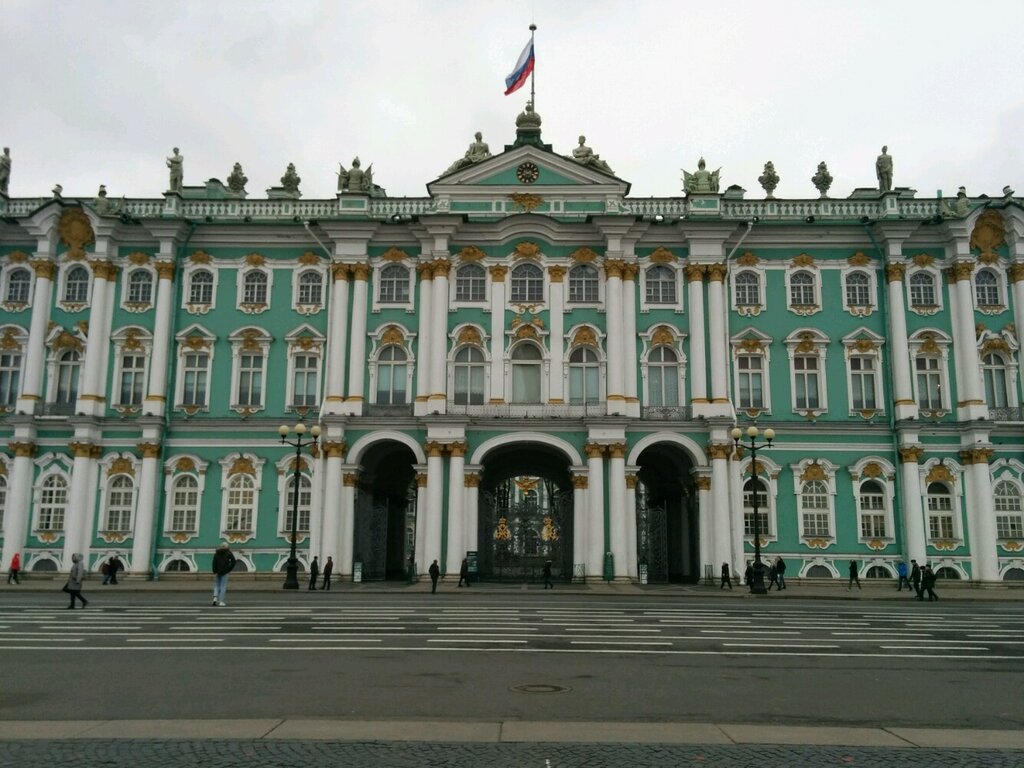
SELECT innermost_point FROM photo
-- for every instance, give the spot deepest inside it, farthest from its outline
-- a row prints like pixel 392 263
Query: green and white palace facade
pixel 527 364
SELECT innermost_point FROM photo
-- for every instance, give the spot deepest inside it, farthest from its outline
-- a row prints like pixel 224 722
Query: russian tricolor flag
pixel 523 68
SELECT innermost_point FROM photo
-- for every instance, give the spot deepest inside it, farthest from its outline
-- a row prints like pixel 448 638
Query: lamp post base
pixel 291 578
pixel 757 580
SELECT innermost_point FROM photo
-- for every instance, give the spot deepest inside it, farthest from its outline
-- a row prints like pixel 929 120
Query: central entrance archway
pixel 385 511
pixel 667 519
pixel 525 514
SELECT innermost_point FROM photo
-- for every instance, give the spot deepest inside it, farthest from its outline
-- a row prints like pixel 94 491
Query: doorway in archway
pixel 525 514
pixel 385 511
pixel 667 518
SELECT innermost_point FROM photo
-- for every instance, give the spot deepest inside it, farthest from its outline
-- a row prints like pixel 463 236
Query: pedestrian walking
pixel 14 569
pixel 328 570
pixel 854 578
pixel 780 571
pixel 464 572
pixel 113 566
pixel 435 574
pixel 928 583
pixel 75 578
pixel 548 583
pixel 915 578
pixel 748 574
pixel 901 576
pixel 773 577
pixel 725 577
pixel 314 573
pixel 105 570
pixel 223 563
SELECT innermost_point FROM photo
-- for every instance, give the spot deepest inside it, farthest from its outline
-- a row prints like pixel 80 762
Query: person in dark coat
pixel 780 571
pixel 726 579
pixel 435 574
pixel 915 578
pixel 113 566
pixel 773 577
pixel 328 570
pixel 748 574
pixel 464 572
pixel 75 579
pixel 854 577
pixel 928 583
pixel 223 563
pixel 548 583
pixel 314 573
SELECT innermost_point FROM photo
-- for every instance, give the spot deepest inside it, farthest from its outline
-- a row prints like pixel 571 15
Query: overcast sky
pixel 100 92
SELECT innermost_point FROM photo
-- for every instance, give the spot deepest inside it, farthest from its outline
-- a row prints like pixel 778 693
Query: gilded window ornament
pixel 255 259
pixel 859 259
pixel 662 255
pixel 583 255
pixel 200 257
pixel 469 335
pixel 750 345
pixel 75 232
pixel 121 466
pixel 309 258
pixel 987 235
pixel 806 343
pixel 392 335
pixel 585 337
pixel 940 474
pixel 995 345
pixel 527 250
pixel 872 469
pixel 67 340
pixel 242 466
pixel 662 335
pixel 8 341
pixel 803 260
pixel 748 259
pixel 394 254
pixel 929 346
pixel 471 253
pixel 17 257
pixel 813 471
pixel 251 339
pixel 923 259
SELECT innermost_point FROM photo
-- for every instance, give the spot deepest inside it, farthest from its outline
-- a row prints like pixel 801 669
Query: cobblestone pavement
pixel 94 753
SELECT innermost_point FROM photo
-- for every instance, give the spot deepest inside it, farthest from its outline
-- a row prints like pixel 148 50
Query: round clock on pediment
pixel 527 173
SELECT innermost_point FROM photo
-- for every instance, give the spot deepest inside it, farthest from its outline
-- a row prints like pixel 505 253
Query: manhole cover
pixel 540 688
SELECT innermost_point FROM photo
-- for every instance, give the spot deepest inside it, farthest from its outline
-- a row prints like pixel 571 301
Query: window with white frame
pixel 19 286
pixel 986 288
pixel 470 283
pixel 807 382
pixel 310 289
pixel 995 373
pixel 241 504
pixel 660 285
pixel 254 288
pixel 802 289
pixel 922 290
pixel 863 370
pixel 750 488
pixel 10 377
pixel 120 501
pixel 250 348
pixel 131 378
pixel 940 512
pixel 194 374
pixel 251 370
pixel 663 376
pixel 584 284
pixel 68 372
pixel 470 372
pixel 584 376
pixel 140 286
pixel 305 379
pixel 200 287
pixel 185 504
pixel 53 502
pixel 858 290
pixel 1009 509
pixel 392 372
pixel 527 285
pixel 527 361
pixel 815 510
pixel 928 369
pixel 747 287
pixel 751 378
pixel 305 504
pixel 871 510
pixel 76 285
pixel 394 285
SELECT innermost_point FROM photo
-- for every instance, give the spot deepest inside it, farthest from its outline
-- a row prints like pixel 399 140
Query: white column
pixel 1016 275
pixel 697 362
pixel 981 509
pixel 435 504
pixel 472 514
pixel 705 535
pixel 91 398
pixel 357 371
pixel 972 399
pixel 423 336
pixel 717 338
pixel 629 339
pixel 719 454
pixel 498 274
pixel 617 510
pixel 155 402
pixel 631 554
pixel 439 340
pixel 337 345
pixel 736 534
pixel 30 399
pixel 146 509
pixel 595 507
pixel 19 499
pixel 81 510
pixel 421 521
pixel 613 318
pixel 347 520
pixel 580 538
pixel 904 405
pixel 911 502
pixel 330 529
pixel 556 339
pixel 456 493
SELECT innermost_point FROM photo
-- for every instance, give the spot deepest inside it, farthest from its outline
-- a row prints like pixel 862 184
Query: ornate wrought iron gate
pixel 371 535
pixel 651 536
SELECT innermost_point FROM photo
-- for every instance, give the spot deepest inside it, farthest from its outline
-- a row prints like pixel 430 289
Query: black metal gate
pixel 519 532
pixel 651 535
pixel 371 535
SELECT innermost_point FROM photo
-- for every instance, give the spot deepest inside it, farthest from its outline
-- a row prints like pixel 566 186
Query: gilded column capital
pixel 703 483
pixel 103 270
pixel 695 273
pixel 976 455
pixel 556 273
pixel 442 267
pixel 1015 272
pixel 911 454
pixel 894 273
pixel 149 450
pixel 719 450
pixel 498 273
pixel 43 268
pixel 959 271
pixel 471 479
pixel 434 449
pixel 81 450
pixel 421 479
pixel 716 273
pixel 617 450
pixel 613 268
pixel 594 450
pixel 425 271
pixel 23 449
pixel 580 482
pixel 630 271
pixel 335 449
pixel 340 270
pixel 165 270
pixel 361 271
pixel 458 449
pixel 631 481
pixel 350 479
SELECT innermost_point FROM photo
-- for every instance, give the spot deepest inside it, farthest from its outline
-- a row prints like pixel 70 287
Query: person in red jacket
pixel 12 573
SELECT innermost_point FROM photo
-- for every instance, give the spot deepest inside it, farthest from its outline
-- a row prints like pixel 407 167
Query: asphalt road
pixel 530 656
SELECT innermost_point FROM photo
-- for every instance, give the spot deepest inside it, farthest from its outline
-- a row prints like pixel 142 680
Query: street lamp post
pixel 757 582
pixel 291 579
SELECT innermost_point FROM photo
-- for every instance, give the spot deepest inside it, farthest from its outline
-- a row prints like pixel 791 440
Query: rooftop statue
pixel 355 179
pixel 822 180
pixel 176 163
pixel 960 207
pixel 769 179
pixel 237 180
pixel 101 204
pixel 5 170
pixel 584 155
pixel 883 170
pixel 701 180
pixel 290 181
pixel 477 151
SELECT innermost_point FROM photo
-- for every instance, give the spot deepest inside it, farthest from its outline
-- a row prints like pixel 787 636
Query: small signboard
pixel 471 560
pixel 357 572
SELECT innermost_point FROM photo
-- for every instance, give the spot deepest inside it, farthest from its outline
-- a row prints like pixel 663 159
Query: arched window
pixel 584 376
pixel 878 572
pixel 583 284
pixel 391 375
pixel 200 287
pixel 986 288
pixel 177 566
pixel 952 574
pixel 76 286
pixel 140 287
pixel 241 504
pixel 871 507
pixel 311 288
pixel 940 512
pixel 53 501
pixel 858 290
pixel 254 288
pixel 750 487
pixel 10 376
pixel 994 375
pixel 19 281
pixel 185 504
pixel 69 366
pixel 526 367
pixel 120 493
pixel 305 379
pixel 660 285
pixel 815 510
pixel 470 283
pixel 922 290
pixel 469 376
pixel 663 376
pixel 305 504
pixel 527 284
pixel 801 289
pixel 929 382
pixel 394 285
pixel 1009 508
pixel 748 289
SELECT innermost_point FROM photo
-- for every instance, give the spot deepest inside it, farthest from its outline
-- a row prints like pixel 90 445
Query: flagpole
pixel 533 72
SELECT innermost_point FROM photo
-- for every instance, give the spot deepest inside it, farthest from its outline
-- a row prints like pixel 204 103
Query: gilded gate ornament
pixel 548 533
pixel 502 533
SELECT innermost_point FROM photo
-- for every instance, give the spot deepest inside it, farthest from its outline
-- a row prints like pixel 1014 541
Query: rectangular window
pixel 806 379
pixel 469 385
pixel 940 526
pixel 751 380
pixel 748 522
pixel 195 375
pixel 872 526
pixel 816 523
pixel 929 383
pixel 250 379
pixel 1009 527
pixel 186 505
pixel 133 375
pixel 10 377
pixel 305 380
pixel 862 383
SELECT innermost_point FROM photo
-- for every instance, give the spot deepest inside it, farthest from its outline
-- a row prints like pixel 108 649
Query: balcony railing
pixel 58 409
pixel 376 409
pixel 530 410
pixel 1015 413
pixel 667 413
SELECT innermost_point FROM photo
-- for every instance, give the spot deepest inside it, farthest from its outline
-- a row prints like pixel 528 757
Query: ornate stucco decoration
pixel 583 255
pixel 526 201
pixel 863 346
pixel 441 267
pixel 1011 546
pixel 813 472
pixel 976 455
pixel 987 235
pixel 242 466
pixel 748 259
pixel 859 259
pixel 197 341
pixel 75 232
pixel 185 464
pixel 751 345
pixel 309 258
pixel 662 255
pixel 873 469
pixel 200 257
pixel 392 335
pixel 469 335
pixel 719 450
pixel 8 340
pixel 18 257
pixel 526 332
pixel 806 343
pixel 67 340
pixel 940 474
pixel 556 273
pixel 662 335
pixel 995 345
pixel 877 544
pixel 131 340
pixel 817 543
pixel 923 259
pixel 255 259
pixel 498 273
pixel 929 346
pixel 121 466
pixel 527 250
pixel 584 337
pixel 471 253
pixel 251 339
pixel 961 270
pixel 138 258
pixel 22 449
pixel 803 260
pixel 394 254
